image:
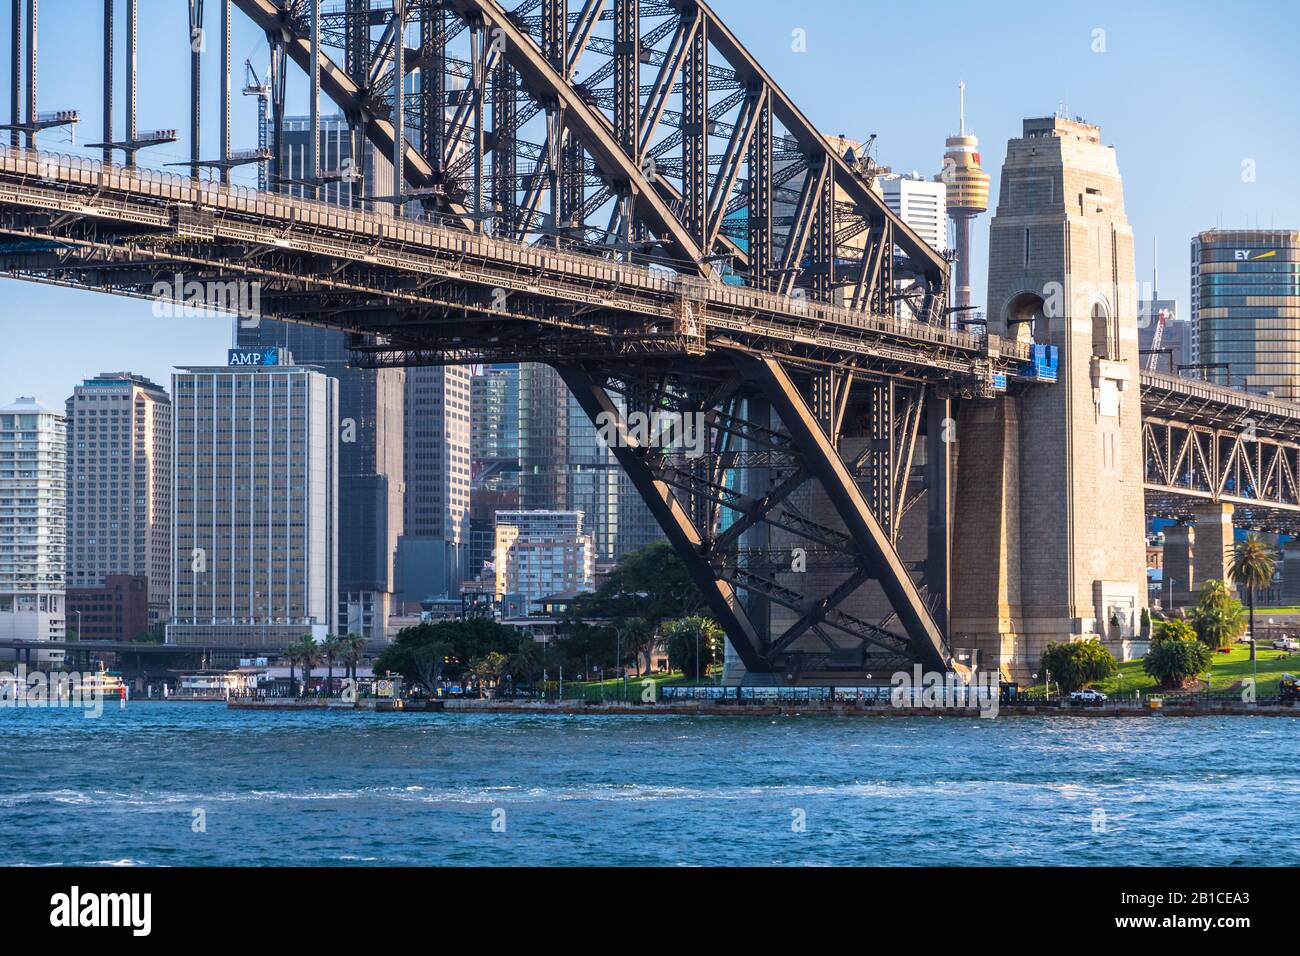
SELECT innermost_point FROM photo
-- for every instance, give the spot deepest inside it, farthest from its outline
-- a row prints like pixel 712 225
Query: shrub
pixel 1077 663
pixel 1176 655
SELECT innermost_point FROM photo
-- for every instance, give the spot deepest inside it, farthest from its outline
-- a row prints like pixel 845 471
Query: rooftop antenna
pixel 961 95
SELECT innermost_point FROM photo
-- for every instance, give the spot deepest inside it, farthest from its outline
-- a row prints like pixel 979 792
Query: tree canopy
pixel 622 618
pixel 1177 655
pixel 651 583
pixel 1075 664
pixel 1219 618
pixel 684 635
pixel 424 653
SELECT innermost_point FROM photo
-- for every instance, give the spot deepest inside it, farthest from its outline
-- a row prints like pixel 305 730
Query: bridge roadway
pixel 1204 443
pixel 436 293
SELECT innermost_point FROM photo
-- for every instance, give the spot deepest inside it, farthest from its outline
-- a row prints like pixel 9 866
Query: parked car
pixel 1289 644
pixel 1088 696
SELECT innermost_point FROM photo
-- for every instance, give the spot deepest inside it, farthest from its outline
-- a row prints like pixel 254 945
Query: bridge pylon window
pixel 1026 319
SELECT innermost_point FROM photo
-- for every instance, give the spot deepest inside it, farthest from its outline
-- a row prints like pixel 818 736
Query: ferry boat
pixel 106 683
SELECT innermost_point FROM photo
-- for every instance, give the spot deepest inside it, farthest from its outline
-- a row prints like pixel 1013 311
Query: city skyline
pixel 1141 78
pixel 788 432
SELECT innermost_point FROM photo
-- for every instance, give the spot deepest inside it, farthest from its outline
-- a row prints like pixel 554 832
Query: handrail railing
pixel 711 290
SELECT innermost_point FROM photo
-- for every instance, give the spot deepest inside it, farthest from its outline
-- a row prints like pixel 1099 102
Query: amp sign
pixel 255 358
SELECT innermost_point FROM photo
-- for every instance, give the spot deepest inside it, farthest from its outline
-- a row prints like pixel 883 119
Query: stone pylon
pixel 1049 524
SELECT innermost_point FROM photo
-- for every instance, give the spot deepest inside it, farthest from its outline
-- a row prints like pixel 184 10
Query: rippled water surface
pixel 363 788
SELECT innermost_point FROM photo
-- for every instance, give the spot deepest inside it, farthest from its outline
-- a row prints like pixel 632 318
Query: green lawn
pixel 1226 671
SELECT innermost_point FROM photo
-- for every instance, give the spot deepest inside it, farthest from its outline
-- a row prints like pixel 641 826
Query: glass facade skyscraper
pixel 564 467
pixel 1246 309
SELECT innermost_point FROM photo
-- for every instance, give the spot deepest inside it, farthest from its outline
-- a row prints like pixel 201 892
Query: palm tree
pixel 1218 617
pixel 310 655
pixel 1252 568
pixel 333 647
pixel 355 646
pixel 292 654
pixel 638 637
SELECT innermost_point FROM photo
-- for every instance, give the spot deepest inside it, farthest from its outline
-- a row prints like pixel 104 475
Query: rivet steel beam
pixel 822 460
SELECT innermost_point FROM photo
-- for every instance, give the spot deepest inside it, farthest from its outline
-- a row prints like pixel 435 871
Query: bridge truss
pixel 617 189
pixel 1205 444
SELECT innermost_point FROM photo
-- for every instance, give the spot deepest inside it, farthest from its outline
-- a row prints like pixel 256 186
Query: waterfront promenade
pixel 762 708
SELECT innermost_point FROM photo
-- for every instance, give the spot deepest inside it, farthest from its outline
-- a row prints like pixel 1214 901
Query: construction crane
pixel 1157 339
pixel 253 86
pixel 1160 317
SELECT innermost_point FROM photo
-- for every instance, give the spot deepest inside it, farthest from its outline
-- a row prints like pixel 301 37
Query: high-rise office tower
pixel 33 472
pixel 255 500
pixel 371 402
pixel 120 485
pixel 344 177
pixel 432 551
pixel 494 452
pixel 540 554
pixel 1246 309
pixel 591 483
pixel 968 197
pixel 543 438
pixel 921 203
pixel 494 425
pixel 371 470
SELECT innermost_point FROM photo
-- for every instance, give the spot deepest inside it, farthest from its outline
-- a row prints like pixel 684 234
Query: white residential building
pixel 920 203
pixel 539 554
pixel 33 472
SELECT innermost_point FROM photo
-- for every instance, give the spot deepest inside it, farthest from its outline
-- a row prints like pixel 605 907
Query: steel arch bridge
pixel 614 188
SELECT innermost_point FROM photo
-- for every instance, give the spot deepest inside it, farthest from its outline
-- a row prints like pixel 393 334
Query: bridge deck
pixel 1206 444
pixel 397 249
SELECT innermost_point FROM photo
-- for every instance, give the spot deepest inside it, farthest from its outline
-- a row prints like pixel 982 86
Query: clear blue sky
pixel 1185 90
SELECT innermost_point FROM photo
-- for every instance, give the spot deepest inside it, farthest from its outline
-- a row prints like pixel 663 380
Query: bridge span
pixel 670 234
pixel 1206 444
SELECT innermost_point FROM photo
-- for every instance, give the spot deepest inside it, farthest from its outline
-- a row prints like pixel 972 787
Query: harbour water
pixel 198 784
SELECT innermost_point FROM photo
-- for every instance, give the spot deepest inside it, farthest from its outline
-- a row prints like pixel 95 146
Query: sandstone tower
pixel 1049 542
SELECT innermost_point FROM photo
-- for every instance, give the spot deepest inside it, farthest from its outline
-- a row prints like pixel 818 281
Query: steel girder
pixel 612 136
pixel 1206 443
pixel 677 523
pixel 336 82
pixel 1185 465
pixel 870 537
pixel 754 482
